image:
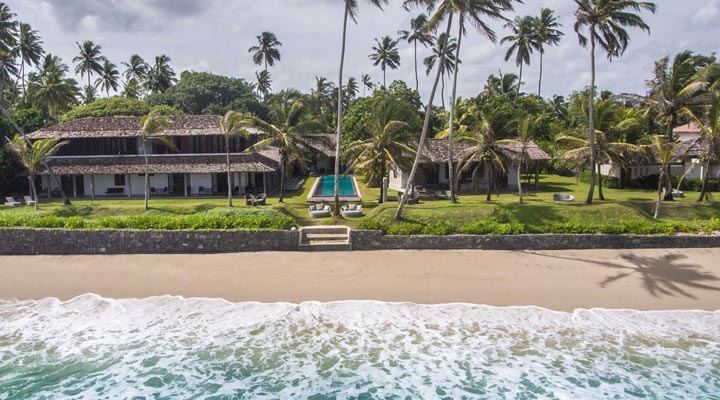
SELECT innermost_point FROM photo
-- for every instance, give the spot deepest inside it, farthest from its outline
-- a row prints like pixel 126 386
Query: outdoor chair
pixel 10 202
pixel 319 211
pixel 563 198
pixel 29 201
pixel 351 211
pixel 260 199
pixel 249 199
pixel 201 189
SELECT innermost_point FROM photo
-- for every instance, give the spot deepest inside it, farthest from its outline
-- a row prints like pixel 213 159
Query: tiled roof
pixel 251 162
pixel 692 127
pixel 436 151
pixel 322 143
pixel 102 127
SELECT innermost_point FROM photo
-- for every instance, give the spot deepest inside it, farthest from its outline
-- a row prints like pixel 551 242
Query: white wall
pixel 103 182
pixel 397 179
pixel 197 180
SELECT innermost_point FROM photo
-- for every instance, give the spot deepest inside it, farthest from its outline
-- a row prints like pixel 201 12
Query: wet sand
pixel 559 280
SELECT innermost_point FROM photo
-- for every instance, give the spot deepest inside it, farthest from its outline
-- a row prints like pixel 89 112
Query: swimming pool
pixel 324 189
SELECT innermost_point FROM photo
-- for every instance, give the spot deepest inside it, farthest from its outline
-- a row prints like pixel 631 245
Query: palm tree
pixel 527 127
pixel 29 49
pixel 504 85
pixel 89 61
pixel 351 88
pixel 662 151
pixel 161 75
pixel 444 50
pixel 150 127
pixel 136 68
pixel 231 126
pixel 264 83
pixel 8 28
pixel 546 32
pixel 418 33
pixel 52 92
pixel 605 22
pixel 109 77
pixel 367 83
pixel 523 42
pixel 710 126
pixel 287 132
pixel 385 55
pixel 8 70
pixel 266 50
pixel 390 131
pixel 32 156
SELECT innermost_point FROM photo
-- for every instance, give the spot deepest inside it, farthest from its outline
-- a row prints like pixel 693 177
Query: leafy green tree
pixel 385 54
pixel 418 34
pixel 32 156
pixel 109 107
pixel 109 77
pixel 547 33
pixel 266 50
pixel 132 89
pixel 160 76
pixel 523 42
pixel 29 49
pixel 151 126
pixel 604 21
pixel 89 61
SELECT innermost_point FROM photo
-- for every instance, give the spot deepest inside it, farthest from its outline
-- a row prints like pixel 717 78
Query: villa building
pixel 433 168
pixel 104 157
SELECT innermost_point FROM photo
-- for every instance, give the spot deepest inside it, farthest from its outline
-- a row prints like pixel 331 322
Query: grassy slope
pixel 539 209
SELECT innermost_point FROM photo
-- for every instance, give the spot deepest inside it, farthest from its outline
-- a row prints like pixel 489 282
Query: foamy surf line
pixel 173 347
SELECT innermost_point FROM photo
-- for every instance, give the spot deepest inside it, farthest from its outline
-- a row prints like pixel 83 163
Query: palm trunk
pixel 417 80
pixel 591 119
pixel 384 81
pixel 383 160
pixel 423 135
pixel 442 91
pixel 519 181
pixel 671 138
pixel 517 92
pixel 541 72
pixel 599 176
pixel 229 179
pixel 147 174
pixel 659 194
pixel 706 178
pixel 489 183
pixel 339 116
pixel 453 94
pixel 34 195
pixel 283 161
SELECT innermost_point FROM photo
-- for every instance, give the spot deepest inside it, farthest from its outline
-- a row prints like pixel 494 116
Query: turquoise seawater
pixel 175 348
pixel 326 187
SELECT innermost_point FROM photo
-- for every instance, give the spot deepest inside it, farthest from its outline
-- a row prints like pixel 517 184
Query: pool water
pixel 326 187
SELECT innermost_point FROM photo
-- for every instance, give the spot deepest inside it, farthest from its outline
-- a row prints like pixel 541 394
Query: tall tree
pixel 351 88
pixel 527 128
pixel 32 156
pixel 385 54
pixel 8 29
pixel 418 34
pixel 710 125
pixel 547 33
pixel 266 52
pixel 350 12
pixel 367 83
pixel 151 126
pixel 604 21
pixel 661 151
pixel 136 68
pixel 231 126
pixel 89 61
pixel 264 83
pixel 443 54
pixel 522 42
pixel 161 75
pixel 109 77
pixel 51 91
pixel 29 49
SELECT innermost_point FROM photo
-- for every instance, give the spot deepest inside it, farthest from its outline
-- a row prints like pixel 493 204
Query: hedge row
pixel 636 227
pixel 227 220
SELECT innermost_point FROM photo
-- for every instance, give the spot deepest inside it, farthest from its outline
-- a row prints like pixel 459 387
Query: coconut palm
pixel 266 51
pixel 8 71
pixel 661 151
pixel 136 68
pixel 367 83
pixel 387 147
pixel 710 126
pixel 604 21
pixel 527 127
pixel 350 12
pixel 151 126
pixel 547 33
pixel 51 91
pixel 418 33
pixel 385 54
pixel 466 116
pixel 444 50
pixel 32 156
pixel 89 61
pixel 109 77
pixel 504 85
pixel 287 132
pixel 8 28
pixel 351 88
pixel 29 49
pixel 522 41
pixel 231 126
pixel 161 75
pixel 264 83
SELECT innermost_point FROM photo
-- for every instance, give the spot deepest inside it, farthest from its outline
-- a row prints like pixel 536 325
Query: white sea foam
pixel 171 347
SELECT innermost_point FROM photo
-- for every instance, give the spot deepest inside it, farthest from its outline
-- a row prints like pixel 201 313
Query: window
pixel 119 180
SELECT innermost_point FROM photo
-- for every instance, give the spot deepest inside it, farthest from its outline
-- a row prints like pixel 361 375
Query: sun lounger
pixel 351 211
pixel 563 198
pixel 249 199
pixel 29 201
pixel 10 202
pixel 260 199
pixel 319 211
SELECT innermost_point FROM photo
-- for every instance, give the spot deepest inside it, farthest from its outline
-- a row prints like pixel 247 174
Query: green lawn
pixel 620 206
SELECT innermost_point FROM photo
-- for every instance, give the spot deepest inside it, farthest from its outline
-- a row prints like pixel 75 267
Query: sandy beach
pixel 558 280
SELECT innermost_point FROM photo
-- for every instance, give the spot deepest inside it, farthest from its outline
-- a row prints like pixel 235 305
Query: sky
pixel 214 36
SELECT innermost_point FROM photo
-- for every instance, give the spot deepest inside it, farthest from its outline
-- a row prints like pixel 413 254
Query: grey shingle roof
pixel 436 151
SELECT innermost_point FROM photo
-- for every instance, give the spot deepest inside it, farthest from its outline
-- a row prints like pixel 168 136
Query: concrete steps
pixel 325 238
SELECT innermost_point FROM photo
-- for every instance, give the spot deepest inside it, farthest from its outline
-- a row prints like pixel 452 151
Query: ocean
pixel 174 348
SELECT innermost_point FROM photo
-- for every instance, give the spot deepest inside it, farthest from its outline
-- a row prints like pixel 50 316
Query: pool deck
pixel 312 198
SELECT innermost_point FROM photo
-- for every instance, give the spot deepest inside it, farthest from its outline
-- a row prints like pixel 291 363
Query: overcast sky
pixel 214 36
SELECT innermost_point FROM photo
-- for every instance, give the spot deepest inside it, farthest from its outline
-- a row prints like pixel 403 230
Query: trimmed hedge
pixel 214 219
pixel 632 227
